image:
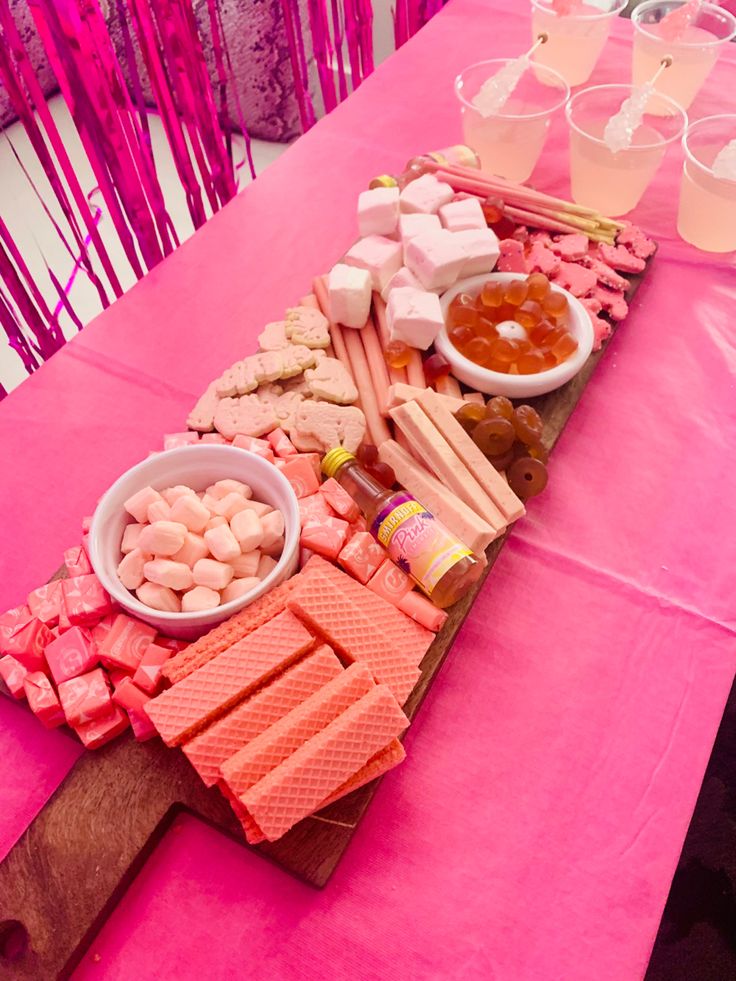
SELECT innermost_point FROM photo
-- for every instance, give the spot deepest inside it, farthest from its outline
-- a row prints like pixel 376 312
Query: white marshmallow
pixel 378 211
pixel 414 317
pixel 349 295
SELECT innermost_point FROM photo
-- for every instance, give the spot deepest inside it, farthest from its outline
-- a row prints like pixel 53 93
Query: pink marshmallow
pixel 175 575
pixel 172 494
pixel 130 570
pixel 379 256
pixel 411 225
pixel 137 504
pixel 404 277
pixel 239 587
pixel 481 249
pixel 425 195
pixel 246 526
pixel 349 293
pixel 158 511
pixel 378 211
pixel 199 599
pixel 190 512
pixel 221 488
pixel 222 543
pixel 193 549
pixel 158 597
pixel 266 565
pixel 414 316
pixel 435 258
pixel 230 505
pixel 162 537
pixel 213 574
pixel 457 216
pixel 274 548
pixel 246 565
pixel 217 522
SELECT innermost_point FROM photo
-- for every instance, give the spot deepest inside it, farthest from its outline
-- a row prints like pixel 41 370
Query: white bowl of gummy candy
pixel 515 386
pixel 196 467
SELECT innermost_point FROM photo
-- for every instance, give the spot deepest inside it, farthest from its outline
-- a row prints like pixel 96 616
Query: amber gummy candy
pixel 381 472
pixel 492 293
pixel 500 406
pixel 504 350
pixel 564 347
pixel 479 351
pixel 537 286
pixel 470 415
pixel 527 477
pixel 367 454
pixel 435 367
pixel 494 436
pixel 528 424
pixel 461 336
pixel 554 303
pixel 492 210
pixel 515 292
pixel 397 354
pixel 531 362
pixel 529 314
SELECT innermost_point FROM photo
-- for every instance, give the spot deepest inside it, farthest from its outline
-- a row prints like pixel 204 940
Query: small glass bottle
pixel 459 155
pixel 415 540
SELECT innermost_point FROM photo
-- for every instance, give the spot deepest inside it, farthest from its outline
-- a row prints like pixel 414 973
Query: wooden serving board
pixel 72 865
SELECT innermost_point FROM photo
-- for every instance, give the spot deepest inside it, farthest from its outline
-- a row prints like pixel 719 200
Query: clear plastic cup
pixel 707 214
pixel 613 183
pixel 509 142
pixel 693 55
pixel 576 40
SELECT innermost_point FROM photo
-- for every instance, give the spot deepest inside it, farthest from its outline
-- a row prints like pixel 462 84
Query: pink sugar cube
pixel 413 224
pixel 72 654
pixel 148 676
pixel 137 504
pixel 14 675
pixel 199 599
pixel 158 511
pixel 239 587
pixel 245 566
pixel 162 537
pixel 425 195
pixel 193 549
pixel 131 534
pixel 230 505
pixel 349 291
pixel 457 216
pixel 129 697
pixel 125 642
pixel 273 529
pixel 85 601
pixel 404 277
pixel 379 256
pixel 339 500
pixel 378 211
pixel 131 569
pixel 212 574
pixel 254 445
pixel 314 507
pixel 361 556
pixel 247 528
pixel 42 700
pixel 45 603
pixel 101 730
pixel 301 476
pixel 281 444
pixel 174 440
pixel 158 597
pixel 266 565
pixel 325 537
pixel 190 512
pixel 76 561
pixel 414 317
pixel 222 543
pixel 85 697
pixel 165 572
pixel 435 258
pixel 481 250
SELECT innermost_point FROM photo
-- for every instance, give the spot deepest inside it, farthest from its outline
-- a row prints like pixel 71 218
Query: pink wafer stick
pixel 396 375
pixel 375 422
pixel 405 444
pixel 376 364
pixel 448 386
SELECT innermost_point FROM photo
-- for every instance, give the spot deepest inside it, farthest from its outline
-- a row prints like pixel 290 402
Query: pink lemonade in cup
pixel 693 54
pixel 707 213
pixel 576 38
pixel 614 183
pixel 510 141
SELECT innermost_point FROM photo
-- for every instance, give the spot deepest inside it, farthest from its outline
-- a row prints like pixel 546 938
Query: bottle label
pixel 419 544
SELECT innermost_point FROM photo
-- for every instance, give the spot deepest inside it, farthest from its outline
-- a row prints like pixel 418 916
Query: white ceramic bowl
pixel 197 467
pixel 515 386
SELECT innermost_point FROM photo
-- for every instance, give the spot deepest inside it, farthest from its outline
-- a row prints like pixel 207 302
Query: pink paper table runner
pixel 534 829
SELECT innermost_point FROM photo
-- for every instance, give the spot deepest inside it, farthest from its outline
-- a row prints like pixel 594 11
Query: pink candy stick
pixel 375 422
pixel 376 364
pixel 395 374
pixel 448 386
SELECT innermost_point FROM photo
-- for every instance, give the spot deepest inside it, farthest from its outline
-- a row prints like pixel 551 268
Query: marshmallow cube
pixel 222 543
pixel 436 259
pixel 404 277
pixel 349 295
pixel 458 216
pixel 172 494
pixel 199 599
pixel 137 505
pixel 481 251
pixel 414 317
pixel 379 256
pixel 130 570
pixel 414 223
pixel 246 526
pixel 245 566
pixel 175 575
pixel 425 195
pixel 162 537
pixel 212 574
pixel 230 505
pixel 378 211
pixel 131 534
pixel 222 488
pixel 193 549
pixel 273 529
pixel 159 597
pixel 190 512
pixel 239 587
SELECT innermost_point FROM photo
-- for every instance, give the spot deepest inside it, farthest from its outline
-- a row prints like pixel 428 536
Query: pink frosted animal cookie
pixel 512 257
pixel 331 381
pixel 295 358
pixel 273 336
pixel 613 303
pixel 246 416
pixel 592 305
pixel 601 331
pixel 328 426
pixel 571 247
pixel 619 257
pixel 604 274
pixel 542 259
pixel 636 241
pixel 305 325
pixel 202 416
pixel 577 279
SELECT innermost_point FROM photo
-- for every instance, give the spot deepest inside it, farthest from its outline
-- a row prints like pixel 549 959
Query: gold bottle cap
pixel 383 180
pixel 333 460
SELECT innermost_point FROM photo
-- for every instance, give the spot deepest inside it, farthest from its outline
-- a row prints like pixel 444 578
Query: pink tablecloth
pixel 534 830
